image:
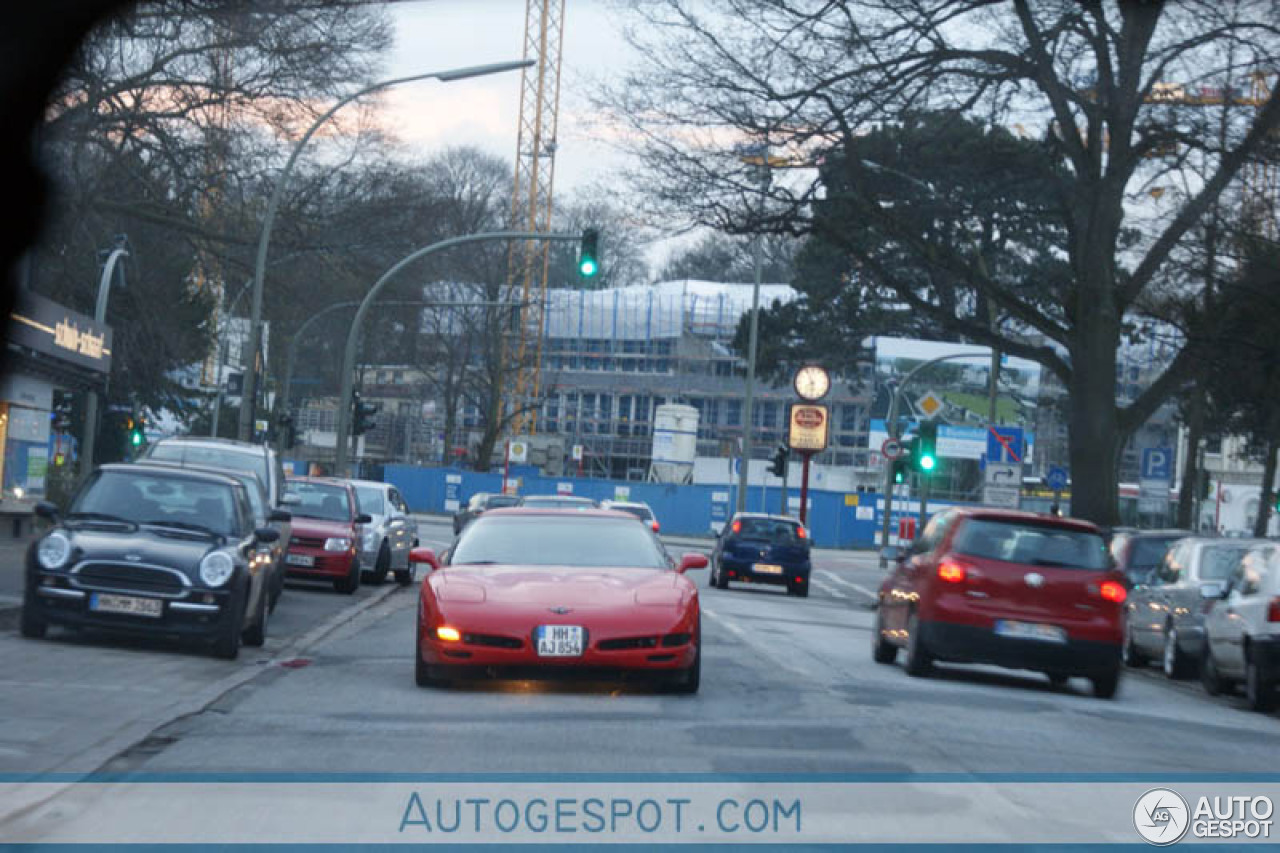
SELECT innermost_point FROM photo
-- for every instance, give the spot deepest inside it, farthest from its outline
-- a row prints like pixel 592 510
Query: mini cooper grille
pixel 624 643
pixel 491 641
pixel 129 577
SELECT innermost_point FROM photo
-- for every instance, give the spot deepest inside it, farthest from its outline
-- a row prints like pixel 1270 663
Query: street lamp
pixel 100 316
pixel 249 399
pixel 759 156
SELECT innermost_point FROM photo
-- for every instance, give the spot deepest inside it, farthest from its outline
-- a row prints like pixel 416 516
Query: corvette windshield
pixel 564 541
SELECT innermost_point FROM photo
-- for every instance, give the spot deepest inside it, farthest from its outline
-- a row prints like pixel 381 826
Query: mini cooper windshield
pixel 141 497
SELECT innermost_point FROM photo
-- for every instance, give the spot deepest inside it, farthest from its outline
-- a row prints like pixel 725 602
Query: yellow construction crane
pixel 527 262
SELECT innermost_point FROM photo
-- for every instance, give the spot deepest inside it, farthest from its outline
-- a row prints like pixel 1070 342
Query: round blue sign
pixel 1056 479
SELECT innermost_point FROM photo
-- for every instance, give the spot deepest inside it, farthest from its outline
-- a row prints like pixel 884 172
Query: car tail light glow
pixel 1113 591
pixel 1273 610
pixel 655 527
pixel 737 527
pixel 802 533
pixel 449 635
pixel 951 572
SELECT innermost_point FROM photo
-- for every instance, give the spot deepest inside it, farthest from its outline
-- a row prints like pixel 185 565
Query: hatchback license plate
pixel 1031 631
pixel 102 602
pixel 766 569
pixel 300 560
pixel 559 641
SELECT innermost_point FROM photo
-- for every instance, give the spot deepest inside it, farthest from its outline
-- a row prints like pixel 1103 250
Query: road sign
pixel 1056 479
pixel 891 449
pixel 930 404
pixel 1003 484
pixel 518 452
pixel 577 453
pixel 1157 463
pixel 1005 444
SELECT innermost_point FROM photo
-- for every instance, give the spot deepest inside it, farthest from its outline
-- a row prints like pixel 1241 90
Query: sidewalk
pixel 13 553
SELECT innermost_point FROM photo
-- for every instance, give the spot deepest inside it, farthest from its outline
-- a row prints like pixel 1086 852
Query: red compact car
pixel 325 541
pixel 1008 588
pixel 528 593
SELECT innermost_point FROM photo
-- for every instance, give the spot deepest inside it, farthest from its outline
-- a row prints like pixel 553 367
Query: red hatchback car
pixel 327 525
pixel 1008 588
pixel 555 593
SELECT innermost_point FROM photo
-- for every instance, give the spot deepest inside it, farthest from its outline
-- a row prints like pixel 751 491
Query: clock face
pixel 812 382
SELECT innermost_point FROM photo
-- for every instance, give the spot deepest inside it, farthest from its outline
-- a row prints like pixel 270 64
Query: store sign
pixel 810 427
pixel 44 326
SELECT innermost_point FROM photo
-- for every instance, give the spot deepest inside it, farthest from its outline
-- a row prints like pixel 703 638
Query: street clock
pixel 812 382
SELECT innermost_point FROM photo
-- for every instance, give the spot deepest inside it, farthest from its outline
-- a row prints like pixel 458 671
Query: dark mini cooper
pixel 151 549
pixel 758 548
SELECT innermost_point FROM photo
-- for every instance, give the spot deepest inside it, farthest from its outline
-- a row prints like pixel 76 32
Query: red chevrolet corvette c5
pixel 527 593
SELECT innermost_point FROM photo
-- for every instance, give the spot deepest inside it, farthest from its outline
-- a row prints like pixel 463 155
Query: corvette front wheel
pixel 687 682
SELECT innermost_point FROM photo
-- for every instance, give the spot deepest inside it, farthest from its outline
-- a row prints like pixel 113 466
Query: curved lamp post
pixel 249 398
pixel 91 402
pixel 353 335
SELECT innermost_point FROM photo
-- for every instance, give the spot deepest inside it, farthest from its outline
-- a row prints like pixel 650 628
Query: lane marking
pixel 834 578
pixel 745 637
pixel 829 590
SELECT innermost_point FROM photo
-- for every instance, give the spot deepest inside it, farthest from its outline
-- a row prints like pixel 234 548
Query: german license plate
pixel 1031 631
pixel 766 569
pixel 102 602
pixel 300 560
pixel 559 641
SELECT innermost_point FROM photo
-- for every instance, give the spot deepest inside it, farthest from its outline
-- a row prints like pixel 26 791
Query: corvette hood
pixel 543 586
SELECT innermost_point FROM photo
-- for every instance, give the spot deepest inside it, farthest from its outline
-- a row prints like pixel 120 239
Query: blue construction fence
pixel 835 519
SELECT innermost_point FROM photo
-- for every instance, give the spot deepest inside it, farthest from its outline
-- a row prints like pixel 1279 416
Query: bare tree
pixel 1105 87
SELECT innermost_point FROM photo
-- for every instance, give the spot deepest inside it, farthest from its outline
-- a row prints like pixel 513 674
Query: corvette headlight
pixel 216 568
pixel 338 543
pixel 54 550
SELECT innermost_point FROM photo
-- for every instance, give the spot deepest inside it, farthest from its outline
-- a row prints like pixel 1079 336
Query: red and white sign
pixel 891 449
pixel 810 427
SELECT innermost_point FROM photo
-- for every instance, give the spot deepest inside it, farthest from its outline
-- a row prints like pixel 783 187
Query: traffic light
pixel 779 466
pixel 589 254
pixel 286 432
pixel 362 415
pixel 901 466
pixel 924 453
pixel 136 429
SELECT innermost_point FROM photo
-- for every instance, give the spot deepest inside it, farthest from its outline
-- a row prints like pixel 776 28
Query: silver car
pixel 390 535
pixel 1165 614
pixel 1242 628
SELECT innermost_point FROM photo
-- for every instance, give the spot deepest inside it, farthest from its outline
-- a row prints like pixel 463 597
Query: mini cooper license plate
pixel 559 641
pixel 1031 631
pixel 102 602
pixel 300 560
pixel 766 569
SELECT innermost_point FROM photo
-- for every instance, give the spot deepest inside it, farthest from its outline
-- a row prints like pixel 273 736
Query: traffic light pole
pixel 806 456
pixel 891 427
pixel 353 335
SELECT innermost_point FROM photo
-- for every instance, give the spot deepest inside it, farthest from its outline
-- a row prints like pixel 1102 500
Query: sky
pixel 436 35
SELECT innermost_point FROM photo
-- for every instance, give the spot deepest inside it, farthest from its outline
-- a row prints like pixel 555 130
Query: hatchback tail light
pixel 951 571
pixel 1273 610
pixel 737 527
pixel 655 527
pixel 1113 591
pixel 802 533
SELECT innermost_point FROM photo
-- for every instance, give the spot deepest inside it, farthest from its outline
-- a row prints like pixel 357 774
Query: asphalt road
pixel 788 685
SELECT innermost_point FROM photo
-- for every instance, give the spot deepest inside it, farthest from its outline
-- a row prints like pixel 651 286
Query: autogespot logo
pixel 1161 816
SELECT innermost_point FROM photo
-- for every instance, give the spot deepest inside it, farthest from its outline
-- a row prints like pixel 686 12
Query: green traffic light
pixel 927 463
pixel 136 439
pixel 587 267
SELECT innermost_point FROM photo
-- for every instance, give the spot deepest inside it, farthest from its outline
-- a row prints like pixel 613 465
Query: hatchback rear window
pixel 769 529
pixel 1031 544
pixel 1148 551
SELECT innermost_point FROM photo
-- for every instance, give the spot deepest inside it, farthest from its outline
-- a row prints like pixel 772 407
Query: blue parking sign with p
pixel 1157 463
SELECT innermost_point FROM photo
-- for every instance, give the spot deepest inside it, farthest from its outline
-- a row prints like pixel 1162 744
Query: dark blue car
pixel 758 548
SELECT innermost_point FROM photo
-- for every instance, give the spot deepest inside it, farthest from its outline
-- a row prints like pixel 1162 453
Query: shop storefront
pixel 50 349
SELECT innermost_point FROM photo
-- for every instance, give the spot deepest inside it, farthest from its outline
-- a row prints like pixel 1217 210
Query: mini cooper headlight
pixel 54 550
pixel 216 568
pixel 338 543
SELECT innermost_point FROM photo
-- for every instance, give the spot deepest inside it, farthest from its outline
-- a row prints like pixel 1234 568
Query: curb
pixel 24 799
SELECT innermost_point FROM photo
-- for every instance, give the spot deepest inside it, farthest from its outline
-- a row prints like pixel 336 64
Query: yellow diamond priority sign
pixel 930 404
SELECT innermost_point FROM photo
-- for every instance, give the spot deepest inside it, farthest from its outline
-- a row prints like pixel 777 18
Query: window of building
pixel 733 413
